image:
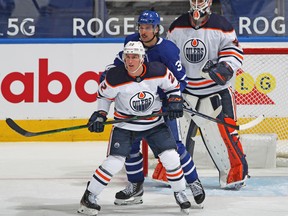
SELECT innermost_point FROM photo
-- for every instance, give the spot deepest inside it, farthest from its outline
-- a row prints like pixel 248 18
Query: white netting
pixel 260 89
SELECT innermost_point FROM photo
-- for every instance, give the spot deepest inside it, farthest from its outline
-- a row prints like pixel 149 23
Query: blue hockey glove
pixel 175 106
pixel 95 123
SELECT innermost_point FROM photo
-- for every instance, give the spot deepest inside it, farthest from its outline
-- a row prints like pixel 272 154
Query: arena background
pixel 53 51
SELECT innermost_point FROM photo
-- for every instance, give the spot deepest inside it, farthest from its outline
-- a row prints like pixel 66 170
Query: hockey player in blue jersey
pixel 165 51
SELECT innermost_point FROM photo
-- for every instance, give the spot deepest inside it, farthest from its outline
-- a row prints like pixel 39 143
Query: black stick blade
pixel 12 124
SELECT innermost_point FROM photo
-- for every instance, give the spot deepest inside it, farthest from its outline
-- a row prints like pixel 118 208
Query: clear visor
pixel 140 56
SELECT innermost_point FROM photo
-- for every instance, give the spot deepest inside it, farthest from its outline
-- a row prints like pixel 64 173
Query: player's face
pixel 132 63
pixel 146 32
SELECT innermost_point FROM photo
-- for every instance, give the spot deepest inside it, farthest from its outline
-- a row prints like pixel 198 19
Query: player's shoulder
pixel 132 37
pixel 180 22
pixel 217 21
pixel 168 46
pixel 155 69
pixel 166 43
pixel 117 75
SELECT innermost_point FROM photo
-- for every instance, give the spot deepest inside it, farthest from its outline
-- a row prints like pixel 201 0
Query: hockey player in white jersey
pixel 164 51
pixel 211 55
pixel 134 89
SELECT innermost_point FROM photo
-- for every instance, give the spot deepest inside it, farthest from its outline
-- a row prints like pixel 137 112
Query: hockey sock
pixel 171 162
pixel 134 168
pixel 104 173
pixel 187 164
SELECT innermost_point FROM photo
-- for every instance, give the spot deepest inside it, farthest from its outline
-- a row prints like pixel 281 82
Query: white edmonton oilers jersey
pixel 215 40
pixel 137 96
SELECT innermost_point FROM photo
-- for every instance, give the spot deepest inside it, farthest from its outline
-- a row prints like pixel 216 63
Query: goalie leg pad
pixel 223 144
pixel 188 126
pixel 209 105
pixel 226 152
pixel 188 132
pixel 192 102
pixel 239 166
pixel 159 173
pixel 212 138
pixel 217 150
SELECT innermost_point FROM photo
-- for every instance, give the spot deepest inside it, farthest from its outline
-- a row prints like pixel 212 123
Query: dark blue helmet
pixel 149 17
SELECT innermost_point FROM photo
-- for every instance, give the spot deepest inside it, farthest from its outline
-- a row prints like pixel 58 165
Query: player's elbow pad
pixel 221 73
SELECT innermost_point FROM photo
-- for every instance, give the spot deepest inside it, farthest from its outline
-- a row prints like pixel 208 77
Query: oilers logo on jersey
pixel 142 101
pixel 194 50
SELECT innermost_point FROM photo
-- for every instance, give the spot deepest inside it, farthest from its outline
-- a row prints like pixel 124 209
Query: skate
pixel 132 194
pixel 182 201
pixel 88 204
pixel 198 192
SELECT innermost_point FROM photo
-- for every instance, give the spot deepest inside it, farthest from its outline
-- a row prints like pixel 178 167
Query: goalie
pixel 211 55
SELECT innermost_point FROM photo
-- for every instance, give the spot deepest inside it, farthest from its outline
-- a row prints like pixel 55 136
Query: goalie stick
pixel 14 126
pixel 237 127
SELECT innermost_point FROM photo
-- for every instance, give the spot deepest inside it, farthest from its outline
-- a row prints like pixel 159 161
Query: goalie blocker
pixel 222 143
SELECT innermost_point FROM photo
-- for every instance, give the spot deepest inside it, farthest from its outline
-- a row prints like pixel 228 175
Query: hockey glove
pixel 205 69
pixel 220 73
pixel 95 123
pixel 175 106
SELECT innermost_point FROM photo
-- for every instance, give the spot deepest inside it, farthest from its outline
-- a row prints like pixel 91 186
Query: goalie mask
pixel 200 11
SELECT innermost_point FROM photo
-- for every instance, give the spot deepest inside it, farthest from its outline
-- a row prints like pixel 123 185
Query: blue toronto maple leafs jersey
pixel 163 51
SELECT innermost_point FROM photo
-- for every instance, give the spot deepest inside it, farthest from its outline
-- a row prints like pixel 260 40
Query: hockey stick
pixel 14 126
pixel 237 127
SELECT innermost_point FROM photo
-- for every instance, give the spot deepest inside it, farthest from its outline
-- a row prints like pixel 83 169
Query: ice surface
pixel 48 179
